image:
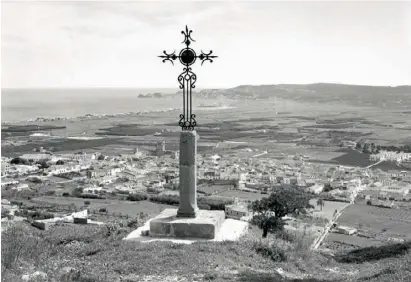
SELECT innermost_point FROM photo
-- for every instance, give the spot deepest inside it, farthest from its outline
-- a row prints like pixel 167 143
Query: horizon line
pixel 176 87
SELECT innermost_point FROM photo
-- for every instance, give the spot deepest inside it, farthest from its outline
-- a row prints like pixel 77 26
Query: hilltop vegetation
pixel 97 253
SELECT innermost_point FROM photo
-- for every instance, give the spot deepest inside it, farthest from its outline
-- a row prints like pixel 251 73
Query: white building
pixel 239 212
pixel 398 189
pixel 23 169
pixel 21 186
pixel 36 157
pixel 316 189
pixel 391 156
pixel 60 169
pixel 93 190
pixel 5 168
pixel 80 157
pixel 9 183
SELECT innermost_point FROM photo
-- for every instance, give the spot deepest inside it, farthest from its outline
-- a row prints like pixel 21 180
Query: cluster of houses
pixel 391 156
pixel 158 170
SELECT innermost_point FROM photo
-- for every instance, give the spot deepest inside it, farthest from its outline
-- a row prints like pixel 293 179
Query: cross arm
pixel 206 57
pixel 169 57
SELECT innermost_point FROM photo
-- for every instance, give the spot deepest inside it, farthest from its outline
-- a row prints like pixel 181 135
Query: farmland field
pixel 242 195
pixel 328 208
pixel 342 242
pixel 209 189
pixel 133 208
pixel 391 222
pixel 113 206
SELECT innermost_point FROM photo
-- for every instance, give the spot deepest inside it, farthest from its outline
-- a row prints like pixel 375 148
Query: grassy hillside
pixel 97 253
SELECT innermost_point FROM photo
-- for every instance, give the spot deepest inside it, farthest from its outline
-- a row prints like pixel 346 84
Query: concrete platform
pixel 204 225
pixel 229 230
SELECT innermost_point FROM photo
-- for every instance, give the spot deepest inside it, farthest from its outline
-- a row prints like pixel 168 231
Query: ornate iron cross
pixel 187 78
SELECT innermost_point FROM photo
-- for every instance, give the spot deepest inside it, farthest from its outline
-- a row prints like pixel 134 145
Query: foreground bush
pixel 18 244
pixel 97 253
pixel 270 250
pixel 286 236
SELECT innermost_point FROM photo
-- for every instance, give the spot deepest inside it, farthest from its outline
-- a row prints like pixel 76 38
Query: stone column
pixel 188 174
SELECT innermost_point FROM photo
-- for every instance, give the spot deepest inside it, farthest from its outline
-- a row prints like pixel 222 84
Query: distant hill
pixel 384 96
pixel 151 95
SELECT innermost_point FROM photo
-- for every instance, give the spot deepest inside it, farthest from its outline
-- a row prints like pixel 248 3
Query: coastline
pixel 86 116
pixel 101 116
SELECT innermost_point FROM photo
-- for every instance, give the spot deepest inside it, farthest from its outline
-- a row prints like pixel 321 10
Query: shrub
pixel 216 203
pixel 4 212
pixel 65 194
pixel 286 236
pixel 91 196
pixel 270 250
pixel 303 242
pixel 19 160
pixel 18 244
pixel 155 190
pixel 165 199
pixel 12 246
pixel 36 215
pixel 17 203
pixel 374 253
pixel 51 193
pixel 77 192
pixel 137 222
pixel 137 197
pixel 103 210
pixel 204 207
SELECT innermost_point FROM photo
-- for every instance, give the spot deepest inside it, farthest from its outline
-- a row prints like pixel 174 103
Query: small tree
pixel 373 147
pixel 366 148
pixel 101 157
pixel 268 212
pixel 60 162
pixel 18 161
pixel 43 165
pixel 320 202
pixel 327 187
pixel 4 212
pixel 77 192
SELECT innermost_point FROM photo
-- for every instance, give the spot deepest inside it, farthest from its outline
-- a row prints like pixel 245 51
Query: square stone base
pixel 204 226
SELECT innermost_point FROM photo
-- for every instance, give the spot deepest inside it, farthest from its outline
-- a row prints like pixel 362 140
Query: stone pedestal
pixel 204 226
pixel 188 175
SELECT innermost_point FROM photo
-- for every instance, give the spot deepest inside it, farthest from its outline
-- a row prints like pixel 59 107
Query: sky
pixel 117 44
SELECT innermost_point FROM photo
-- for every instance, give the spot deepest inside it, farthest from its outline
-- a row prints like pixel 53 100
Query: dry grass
pixel 97 253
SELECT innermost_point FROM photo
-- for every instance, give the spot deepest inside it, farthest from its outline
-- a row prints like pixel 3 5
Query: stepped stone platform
pixel 204 226
pixel 229 230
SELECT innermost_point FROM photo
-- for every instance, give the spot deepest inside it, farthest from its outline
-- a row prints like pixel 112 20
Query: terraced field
pixel 382 224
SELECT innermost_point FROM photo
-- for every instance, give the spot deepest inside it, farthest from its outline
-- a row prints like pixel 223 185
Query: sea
pixel 29 104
